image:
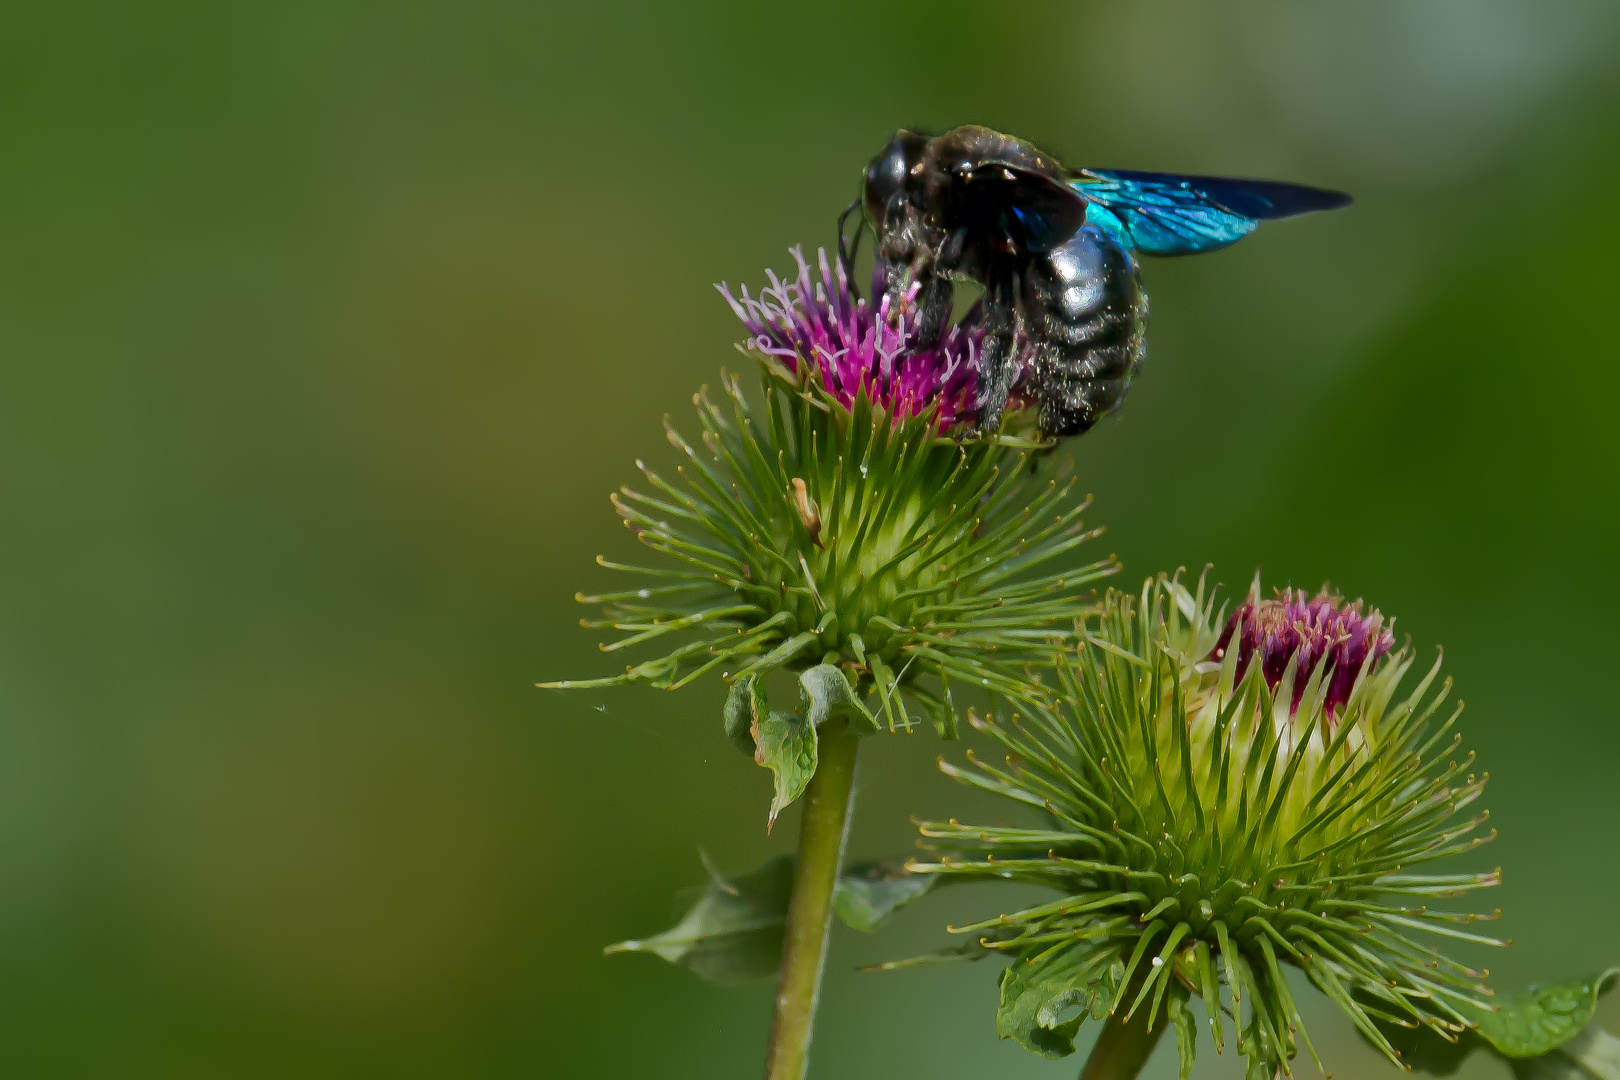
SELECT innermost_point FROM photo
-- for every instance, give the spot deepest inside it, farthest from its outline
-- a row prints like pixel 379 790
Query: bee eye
pixel 887 173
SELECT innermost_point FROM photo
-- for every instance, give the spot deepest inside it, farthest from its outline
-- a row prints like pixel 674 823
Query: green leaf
pixel 785 743
pixel 869 893
pixel 1596 1051
pixel 827 694
pixel 1258 1068
pixel 733 933
pixel 1101 1003
pixel 1181 1018
pixel 1543 1018
pixel 941 709
pixel 1540 1032
pixel 1593 1054
pixel 758 707
pixel 1266 1060
pixel 739 713
pixel 1036 994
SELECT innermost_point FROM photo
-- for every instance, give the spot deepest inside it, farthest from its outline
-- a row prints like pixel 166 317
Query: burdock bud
pixel 1217 799
pixel 1291 630
pixel 842 524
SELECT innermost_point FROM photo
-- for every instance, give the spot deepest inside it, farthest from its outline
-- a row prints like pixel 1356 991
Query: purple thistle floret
pixel 1291 625
pixel 856 346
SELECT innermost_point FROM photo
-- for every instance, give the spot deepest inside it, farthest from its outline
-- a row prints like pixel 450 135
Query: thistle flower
pixel 852 346
pixel 1293 629
pixel 833 526
pixel 1214 813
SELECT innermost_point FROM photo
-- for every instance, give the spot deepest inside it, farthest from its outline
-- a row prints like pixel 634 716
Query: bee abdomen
pixel 1086 318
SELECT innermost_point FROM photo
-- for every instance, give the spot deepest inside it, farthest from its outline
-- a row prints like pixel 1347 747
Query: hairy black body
pixel 1055 250
pixel 1084 314
pixel 977 205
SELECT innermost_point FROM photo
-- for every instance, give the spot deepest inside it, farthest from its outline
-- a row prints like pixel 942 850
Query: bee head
pixel 889 172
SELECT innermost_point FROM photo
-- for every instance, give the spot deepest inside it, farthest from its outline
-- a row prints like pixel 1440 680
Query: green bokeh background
pixel 325 329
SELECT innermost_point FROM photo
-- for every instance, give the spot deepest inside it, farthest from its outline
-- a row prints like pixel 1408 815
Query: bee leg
pixel 896 283
pixel 938 293
pixel 933 310
pixel 996 369
pixel 848 249
pixel 997 363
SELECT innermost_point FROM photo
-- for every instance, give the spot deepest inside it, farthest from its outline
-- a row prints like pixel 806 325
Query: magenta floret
pixel 855 345
pixel 1324 628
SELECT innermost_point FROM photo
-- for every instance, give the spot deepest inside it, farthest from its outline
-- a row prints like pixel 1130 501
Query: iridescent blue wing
pixel 1167 214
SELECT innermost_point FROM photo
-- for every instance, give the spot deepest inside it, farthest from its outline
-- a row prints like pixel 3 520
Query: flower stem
pixel 822 830
pixel 1124 1046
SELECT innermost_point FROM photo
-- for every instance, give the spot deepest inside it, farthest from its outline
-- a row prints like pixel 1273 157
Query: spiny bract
pixel 1212 814
pixel 840 525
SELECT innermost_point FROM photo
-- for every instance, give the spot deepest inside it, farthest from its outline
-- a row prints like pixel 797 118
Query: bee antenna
pixel 847 253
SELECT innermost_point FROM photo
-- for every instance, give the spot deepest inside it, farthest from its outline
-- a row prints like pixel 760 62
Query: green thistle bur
pixel 1224 798
pixel 839 528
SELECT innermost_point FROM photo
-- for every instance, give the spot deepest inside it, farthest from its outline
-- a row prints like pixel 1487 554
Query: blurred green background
pixel 327 327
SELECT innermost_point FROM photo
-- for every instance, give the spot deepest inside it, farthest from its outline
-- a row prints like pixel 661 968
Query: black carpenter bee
pixel 1055 250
